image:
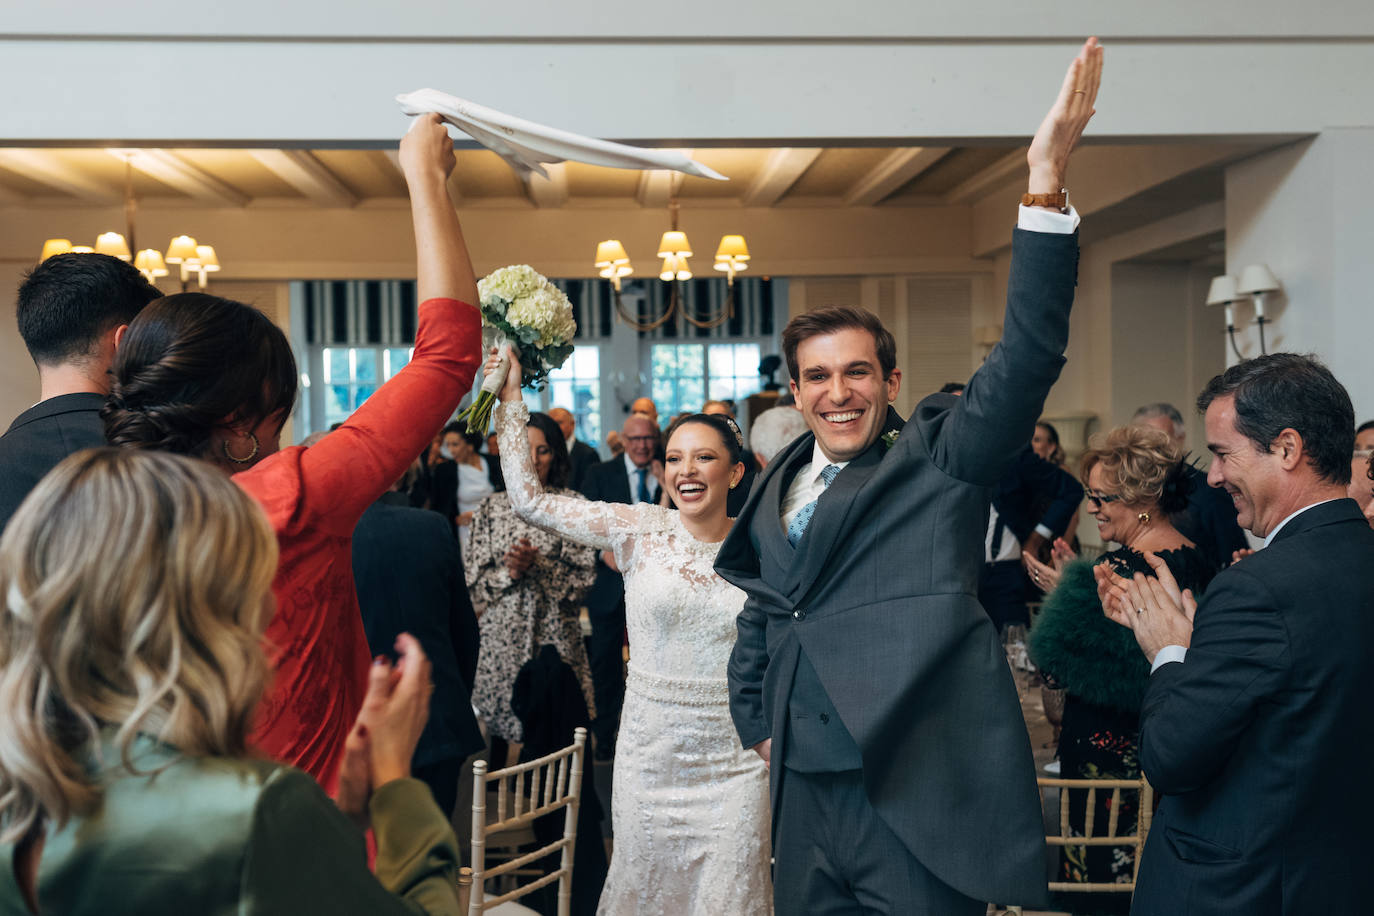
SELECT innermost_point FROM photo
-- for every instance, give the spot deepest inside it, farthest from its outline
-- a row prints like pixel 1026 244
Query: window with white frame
pixel 576 386
pixel 351 375
pixel 686 375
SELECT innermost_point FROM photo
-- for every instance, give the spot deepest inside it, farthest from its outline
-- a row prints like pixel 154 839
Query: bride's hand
pixel 510 391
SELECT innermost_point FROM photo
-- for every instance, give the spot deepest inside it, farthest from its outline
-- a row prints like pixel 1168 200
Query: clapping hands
pixel 1155 609
pixel 1046 577
pixel 382 742
pixel 520 557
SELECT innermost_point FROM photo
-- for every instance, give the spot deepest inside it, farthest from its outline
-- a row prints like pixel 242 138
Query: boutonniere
pixel 890 438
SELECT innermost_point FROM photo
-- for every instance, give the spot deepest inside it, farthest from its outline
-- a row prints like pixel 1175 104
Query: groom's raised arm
pixel 994 418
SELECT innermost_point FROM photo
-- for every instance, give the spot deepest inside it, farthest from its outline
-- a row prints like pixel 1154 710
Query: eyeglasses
pixel 1098 499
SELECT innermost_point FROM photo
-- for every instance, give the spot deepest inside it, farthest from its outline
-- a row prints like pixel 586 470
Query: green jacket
pixel 219 836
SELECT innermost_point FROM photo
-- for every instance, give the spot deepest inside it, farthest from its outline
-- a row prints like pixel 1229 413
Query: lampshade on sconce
pixel 113 244
pixel 1222 290
pixel 732 256
pixel 181 248
pixel 1256 278
pixel 54 246
pixel 675 268
pixel 612 261
pixel 82 249
pixel 674 242
pixel 149 263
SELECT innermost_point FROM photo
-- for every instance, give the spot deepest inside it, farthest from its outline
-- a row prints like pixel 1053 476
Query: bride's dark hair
pixel 729 433
pixel 191 363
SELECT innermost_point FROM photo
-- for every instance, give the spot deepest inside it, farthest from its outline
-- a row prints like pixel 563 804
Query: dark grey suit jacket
pixel 580 458
pixel 1259 738
pixel 881 595
pixel 40 437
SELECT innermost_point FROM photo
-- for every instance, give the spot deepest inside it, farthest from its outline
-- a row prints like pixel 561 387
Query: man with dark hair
pixel 952 388
pixel 865 672
pixel 1364 435
pixel 72 310
pixel 1209 519
pixel 1254 727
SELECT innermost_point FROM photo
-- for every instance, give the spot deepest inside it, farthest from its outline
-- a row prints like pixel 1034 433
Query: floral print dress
pixel 518 616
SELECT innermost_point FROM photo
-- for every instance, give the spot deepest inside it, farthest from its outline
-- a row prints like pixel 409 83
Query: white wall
pixel 1308 212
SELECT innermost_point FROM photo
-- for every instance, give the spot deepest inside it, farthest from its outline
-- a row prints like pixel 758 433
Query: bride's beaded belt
pixel 684 691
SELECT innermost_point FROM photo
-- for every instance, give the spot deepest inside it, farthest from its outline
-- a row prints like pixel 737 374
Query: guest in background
pixel 215 379
pixel 72 310
pixel 1364 435
pixel 581 456
pixel 1045 443
pixel 493 456
pixel 952 388
pixel 630 478
pixel 1359 480
pixel 529 585
pixel 1209 519
pixel 462 480
pixel 1135 479
pixel 410 580
pixel 614 445
pixel 647 407
pixel 128 781
pixel 773 430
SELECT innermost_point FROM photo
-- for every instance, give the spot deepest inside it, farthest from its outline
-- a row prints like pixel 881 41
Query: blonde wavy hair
pixel 1136 463
pixel 137 585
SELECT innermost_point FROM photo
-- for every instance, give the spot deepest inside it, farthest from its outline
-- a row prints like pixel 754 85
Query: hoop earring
pixel 1143 518
pixel 224 446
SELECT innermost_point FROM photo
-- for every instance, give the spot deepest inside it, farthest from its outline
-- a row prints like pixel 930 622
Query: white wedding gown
pixel 689 807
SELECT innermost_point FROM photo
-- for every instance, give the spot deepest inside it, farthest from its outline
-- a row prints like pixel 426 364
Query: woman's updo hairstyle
pixel 188 365
pixel 726 428
pixel 1143 466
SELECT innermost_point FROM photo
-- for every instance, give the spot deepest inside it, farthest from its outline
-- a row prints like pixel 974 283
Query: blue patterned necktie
pixel 803 517
pixel 643 495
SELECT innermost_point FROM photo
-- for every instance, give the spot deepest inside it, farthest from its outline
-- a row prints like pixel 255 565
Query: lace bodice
pixel 680 614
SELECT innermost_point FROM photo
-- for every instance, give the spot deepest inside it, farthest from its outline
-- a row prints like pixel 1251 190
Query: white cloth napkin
pixel 527 145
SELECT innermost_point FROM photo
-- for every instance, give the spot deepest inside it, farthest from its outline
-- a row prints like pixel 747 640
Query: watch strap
pixel 1058 200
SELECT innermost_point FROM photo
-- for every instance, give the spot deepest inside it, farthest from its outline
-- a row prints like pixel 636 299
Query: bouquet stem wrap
pixel 521 308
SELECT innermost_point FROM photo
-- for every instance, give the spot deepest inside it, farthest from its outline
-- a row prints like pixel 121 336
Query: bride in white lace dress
pixel 689 807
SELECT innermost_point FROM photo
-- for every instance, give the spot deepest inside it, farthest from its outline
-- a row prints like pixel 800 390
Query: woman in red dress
pixel 214 378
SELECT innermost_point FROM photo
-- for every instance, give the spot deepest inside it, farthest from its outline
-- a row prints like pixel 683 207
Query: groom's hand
pixel 1048 156
pixel 765 750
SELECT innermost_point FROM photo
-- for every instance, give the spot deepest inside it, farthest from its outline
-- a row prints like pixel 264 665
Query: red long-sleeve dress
pixel 313 498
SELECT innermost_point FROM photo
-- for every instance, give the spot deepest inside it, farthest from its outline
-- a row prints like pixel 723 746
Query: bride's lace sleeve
pixel 596 524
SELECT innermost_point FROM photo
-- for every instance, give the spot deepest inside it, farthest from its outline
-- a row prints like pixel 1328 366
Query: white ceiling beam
pixel 43 167
pixel 782 170
pixel 896 169
pixel 176 172
pixel 1010 166
pixel 307 175
pixel 548 192
pixel 657 186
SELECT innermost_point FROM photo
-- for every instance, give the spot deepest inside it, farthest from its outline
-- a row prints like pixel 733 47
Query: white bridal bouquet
pixel 520 307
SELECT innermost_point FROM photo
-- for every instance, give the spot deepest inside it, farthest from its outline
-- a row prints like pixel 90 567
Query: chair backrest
pixel 1092 834
pixel 524 792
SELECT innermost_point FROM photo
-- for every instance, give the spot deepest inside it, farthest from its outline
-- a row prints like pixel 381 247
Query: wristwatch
pixel 1056 201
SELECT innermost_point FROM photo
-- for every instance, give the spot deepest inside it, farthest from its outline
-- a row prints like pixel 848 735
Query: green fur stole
pixel 1090 656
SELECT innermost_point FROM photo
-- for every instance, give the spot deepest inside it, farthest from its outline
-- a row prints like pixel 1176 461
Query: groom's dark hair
pixel 834 318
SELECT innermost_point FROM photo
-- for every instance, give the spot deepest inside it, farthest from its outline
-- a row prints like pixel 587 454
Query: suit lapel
pixel 829 523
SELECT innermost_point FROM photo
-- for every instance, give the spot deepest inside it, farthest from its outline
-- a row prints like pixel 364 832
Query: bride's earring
pixel 1143 518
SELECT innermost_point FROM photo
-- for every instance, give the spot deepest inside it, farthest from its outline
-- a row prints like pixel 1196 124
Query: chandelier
pixel 732 257
pixel 183 250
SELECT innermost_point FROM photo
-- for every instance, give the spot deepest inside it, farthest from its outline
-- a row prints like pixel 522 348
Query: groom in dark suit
pixel 865 670
pixel 1256 723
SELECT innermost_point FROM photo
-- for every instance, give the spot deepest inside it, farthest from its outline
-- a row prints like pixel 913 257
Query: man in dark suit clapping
pixel 72 310
pixel 1256 721
pixel 865 671
pixel 629 478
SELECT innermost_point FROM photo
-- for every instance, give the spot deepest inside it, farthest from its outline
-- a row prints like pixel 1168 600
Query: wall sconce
pixel 1255 281
pixel 732 257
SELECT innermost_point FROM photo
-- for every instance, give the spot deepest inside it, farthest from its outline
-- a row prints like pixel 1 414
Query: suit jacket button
pixel 799 615
pixel 825 718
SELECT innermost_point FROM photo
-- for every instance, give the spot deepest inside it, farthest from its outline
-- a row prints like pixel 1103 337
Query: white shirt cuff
pixel 1044 532
pixel 1168 654
pixel 1034 219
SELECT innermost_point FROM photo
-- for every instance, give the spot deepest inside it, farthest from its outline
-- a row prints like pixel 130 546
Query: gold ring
pixel 1080 92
